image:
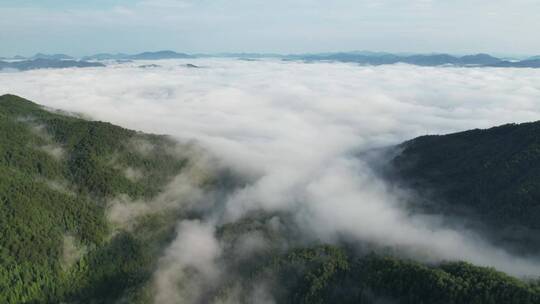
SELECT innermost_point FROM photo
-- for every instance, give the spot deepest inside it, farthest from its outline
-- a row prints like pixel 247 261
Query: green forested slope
pixel 492 176
pixel 320 274
pixel 56 174
pixel 327 274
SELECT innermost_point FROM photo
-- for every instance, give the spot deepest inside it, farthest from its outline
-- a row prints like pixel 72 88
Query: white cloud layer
pixel 294 126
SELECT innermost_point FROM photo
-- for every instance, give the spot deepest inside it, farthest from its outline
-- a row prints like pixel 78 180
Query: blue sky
pixel 284 26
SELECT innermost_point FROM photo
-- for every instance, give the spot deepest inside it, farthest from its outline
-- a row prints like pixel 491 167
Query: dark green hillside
pixel 328 274
pixel 491 175
pixel 56 173
pixel 319 274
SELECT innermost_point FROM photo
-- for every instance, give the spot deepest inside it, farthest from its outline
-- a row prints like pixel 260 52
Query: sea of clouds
pixel 297 129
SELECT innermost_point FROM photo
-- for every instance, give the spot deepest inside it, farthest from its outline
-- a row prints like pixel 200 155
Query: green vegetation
pixel 320 274
pixel 36 216
pixel 491 176
pixel 328 274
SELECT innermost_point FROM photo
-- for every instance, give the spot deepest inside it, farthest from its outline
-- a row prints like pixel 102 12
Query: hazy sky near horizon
pixel 292 26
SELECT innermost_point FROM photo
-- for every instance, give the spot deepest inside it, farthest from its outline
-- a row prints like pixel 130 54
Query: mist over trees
pixel 63 176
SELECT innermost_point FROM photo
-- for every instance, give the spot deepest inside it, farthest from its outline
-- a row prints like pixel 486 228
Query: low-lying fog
pixel 293 127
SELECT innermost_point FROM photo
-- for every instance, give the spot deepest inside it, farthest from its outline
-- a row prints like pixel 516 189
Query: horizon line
pixel 275 54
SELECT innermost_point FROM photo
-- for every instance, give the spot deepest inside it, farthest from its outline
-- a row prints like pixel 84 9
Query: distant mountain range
pixel 484 60
pixel 53 56
pixel 40 56
pixel 141 56
pixel 106 56
pixel 42 63
pixel 529 63
pixel 360 57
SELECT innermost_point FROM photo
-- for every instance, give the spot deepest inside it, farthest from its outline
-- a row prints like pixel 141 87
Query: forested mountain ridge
pixel 58 174
pixel 491 175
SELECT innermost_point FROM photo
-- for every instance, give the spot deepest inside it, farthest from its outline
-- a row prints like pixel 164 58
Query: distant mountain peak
pixel 165 54
pixel 51 56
